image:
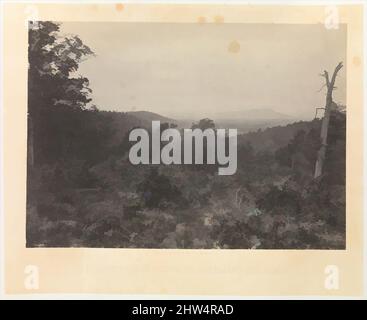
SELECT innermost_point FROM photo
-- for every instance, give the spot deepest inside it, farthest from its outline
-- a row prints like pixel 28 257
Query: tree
pixel 325 122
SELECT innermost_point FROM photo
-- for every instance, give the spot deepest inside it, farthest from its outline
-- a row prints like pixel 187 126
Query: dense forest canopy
pixel 83 191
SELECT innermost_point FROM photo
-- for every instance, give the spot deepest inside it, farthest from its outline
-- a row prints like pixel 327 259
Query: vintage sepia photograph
pixel 186 135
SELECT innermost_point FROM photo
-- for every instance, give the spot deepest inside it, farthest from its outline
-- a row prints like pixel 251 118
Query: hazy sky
pixel 193 70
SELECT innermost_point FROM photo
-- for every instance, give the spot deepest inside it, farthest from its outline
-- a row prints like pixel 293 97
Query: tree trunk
pixel 325 121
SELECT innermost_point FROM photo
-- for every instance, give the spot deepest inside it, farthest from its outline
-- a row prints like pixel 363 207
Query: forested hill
pixel 82 190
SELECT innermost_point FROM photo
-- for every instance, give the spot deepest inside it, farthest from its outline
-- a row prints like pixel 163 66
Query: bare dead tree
pixel 329 83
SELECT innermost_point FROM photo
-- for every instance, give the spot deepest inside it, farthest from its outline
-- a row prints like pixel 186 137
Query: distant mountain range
pixel 243 120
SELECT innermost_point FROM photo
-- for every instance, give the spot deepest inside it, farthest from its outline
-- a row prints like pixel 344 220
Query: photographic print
pixel 114 108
